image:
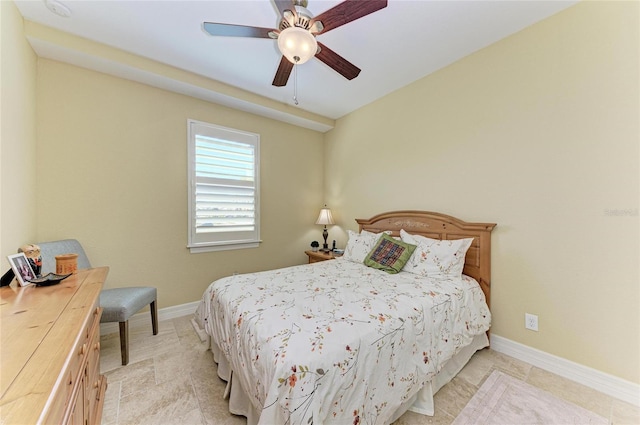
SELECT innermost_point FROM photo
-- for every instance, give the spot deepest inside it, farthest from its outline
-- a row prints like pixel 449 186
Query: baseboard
pixel 144 317
pixel 592 378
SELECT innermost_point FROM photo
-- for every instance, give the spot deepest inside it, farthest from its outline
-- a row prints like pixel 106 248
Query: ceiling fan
pixel 297 33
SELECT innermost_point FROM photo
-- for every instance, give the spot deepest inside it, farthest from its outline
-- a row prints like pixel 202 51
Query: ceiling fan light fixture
pixel 297 44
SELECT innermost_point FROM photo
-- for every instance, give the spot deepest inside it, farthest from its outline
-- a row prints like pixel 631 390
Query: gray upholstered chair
pixel 118 304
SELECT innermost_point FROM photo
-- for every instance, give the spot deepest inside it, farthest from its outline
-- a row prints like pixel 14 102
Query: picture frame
pixel 22 269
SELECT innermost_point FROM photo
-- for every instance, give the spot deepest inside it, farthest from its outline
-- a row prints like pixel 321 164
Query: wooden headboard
pixel 440 226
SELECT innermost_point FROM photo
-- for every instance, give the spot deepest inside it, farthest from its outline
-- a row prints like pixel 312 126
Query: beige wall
pixel 539 134
pixel 112 173
pixel 18 189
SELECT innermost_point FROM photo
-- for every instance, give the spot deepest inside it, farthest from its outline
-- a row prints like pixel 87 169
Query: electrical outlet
pixel 531 322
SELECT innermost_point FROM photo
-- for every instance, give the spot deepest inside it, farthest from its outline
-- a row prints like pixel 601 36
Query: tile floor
pixel 170 379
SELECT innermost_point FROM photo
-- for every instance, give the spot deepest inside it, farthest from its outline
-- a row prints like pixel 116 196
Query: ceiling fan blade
pixel 283 72
pixel 337 62
pixel 283 5
pixel 230 30
pixel 347 11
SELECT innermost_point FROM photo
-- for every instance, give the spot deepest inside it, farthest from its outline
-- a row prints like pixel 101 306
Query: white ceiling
pixel 395 46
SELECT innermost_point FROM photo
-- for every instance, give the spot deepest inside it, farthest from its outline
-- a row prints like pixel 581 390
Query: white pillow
pixel 434 257
pixel 360 244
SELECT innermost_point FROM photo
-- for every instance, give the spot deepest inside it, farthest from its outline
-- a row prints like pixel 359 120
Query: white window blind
pixel 223 188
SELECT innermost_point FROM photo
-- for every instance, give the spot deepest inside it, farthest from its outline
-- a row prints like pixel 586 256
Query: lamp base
pixel 325 245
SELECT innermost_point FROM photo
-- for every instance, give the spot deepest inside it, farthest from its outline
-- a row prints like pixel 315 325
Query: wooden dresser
pixel 50 352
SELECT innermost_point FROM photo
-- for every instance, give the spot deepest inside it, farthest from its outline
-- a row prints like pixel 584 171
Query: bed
pixel 342 342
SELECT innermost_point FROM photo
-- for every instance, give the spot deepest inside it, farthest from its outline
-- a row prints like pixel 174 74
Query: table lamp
pixel 325 218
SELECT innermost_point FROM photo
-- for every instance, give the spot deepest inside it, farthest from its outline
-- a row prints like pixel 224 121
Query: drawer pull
pixel 83 349
pixel 96 346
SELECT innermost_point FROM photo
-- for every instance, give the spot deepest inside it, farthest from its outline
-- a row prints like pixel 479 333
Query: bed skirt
pixel 422 403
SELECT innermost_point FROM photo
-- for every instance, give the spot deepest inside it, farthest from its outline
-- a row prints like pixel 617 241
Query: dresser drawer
pixel 93 319
pixel 73 374
pixel 80 353
pixel 94 379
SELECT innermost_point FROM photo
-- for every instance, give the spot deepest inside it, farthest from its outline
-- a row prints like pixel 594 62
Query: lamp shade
pixel 325 217
pixel 297 45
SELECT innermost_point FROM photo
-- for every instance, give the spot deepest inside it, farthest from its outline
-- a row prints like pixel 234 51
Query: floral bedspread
pixel 336 341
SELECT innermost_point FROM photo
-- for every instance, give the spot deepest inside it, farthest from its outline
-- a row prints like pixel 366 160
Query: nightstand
pixel 314 257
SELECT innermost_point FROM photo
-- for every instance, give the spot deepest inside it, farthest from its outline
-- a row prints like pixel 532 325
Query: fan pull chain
pixel 295 84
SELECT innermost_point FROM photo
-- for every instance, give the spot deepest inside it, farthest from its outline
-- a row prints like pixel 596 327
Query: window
pixel 224 207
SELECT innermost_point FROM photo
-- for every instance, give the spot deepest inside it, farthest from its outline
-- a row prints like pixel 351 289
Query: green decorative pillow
pixel 389 254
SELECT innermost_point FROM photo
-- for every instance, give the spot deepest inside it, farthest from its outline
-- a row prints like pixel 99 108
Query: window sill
pixel 196 249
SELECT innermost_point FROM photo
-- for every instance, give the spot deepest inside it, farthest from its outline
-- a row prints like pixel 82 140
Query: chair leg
pixel 154 317
pixel 124 342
